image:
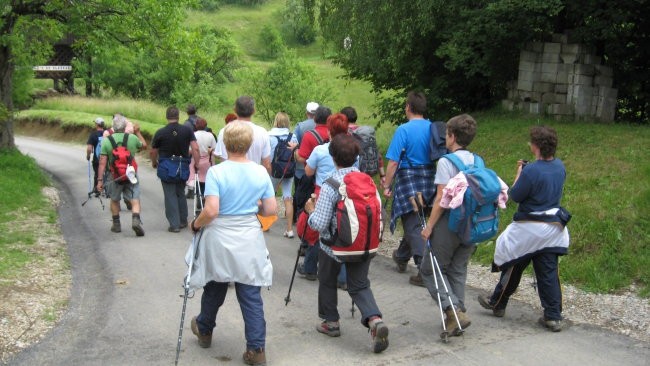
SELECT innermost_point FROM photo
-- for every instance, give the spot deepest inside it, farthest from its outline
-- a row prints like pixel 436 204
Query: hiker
pixel 260 150
pixel 109 131
pixel 93 147
pixel 351 114
pixel 170 155
pixel 321 164
pixel 232 246
pixel 191 117
pixel 452 255
pixel 306 186
pixel 538 232
pixel 322 214
pixel 206 142
pixel 411 169
pixel 281 132
pixel 128 190
pixel 299 174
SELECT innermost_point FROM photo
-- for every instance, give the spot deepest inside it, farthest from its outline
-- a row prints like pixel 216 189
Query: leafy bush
pixel 285 86
pixel 271 42
pixel 299 23
pixel 244 2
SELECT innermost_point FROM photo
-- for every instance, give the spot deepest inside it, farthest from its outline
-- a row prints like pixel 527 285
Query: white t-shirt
pixel 260 149
pixel 206 141
pixel 445 170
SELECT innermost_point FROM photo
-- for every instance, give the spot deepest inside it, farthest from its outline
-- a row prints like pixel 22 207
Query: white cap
pixel 99 121
pixel 311 107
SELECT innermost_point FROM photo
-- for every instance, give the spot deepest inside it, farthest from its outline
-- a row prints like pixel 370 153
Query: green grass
pixel 21 200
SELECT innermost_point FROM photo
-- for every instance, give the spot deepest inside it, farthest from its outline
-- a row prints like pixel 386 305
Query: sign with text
pixel 53 68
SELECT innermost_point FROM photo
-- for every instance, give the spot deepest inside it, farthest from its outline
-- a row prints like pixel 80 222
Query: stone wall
pixel 562 79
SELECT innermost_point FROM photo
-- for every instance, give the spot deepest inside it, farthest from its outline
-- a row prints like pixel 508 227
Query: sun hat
pixel 311 107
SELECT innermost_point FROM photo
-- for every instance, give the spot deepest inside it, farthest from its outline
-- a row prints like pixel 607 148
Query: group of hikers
pixel 325 169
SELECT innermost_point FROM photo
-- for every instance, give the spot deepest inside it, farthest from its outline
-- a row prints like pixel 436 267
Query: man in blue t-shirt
pixel 411 170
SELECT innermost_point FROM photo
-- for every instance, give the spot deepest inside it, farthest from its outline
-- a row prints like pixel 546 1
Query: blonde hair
pixel 281 120
pixel 238 137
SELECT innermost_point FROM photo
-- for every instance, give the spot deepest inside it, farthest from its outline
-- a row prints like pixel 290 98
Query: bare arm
pixel 136 130
pixel 153 154
pixel 309 171
pixel 269 207
pixel 209 213
pixel 266 163
pixel 299 158
pixel 196 154
pixel 89 151
pixel 103 159
pixel 390 175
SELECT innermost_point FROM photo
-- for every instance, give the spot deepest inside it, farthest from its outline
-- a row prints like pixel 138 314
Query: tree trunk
pixel 89 78
pixel 6 119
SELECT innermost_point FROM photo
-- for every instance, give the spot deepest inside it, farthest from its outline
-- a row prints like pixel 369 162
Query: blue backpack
pixel 98 147
pixel 477 219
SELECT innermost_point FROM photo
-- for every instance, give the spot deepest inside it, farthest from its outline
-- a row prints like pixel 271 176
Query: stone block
pixel 561 88
pixel 563 74
pixel 551 57
pixel 580 95
pixel 530 96
pixel 543 87
pixel 525 85
pixel 572 48
pixel 529 56
pixel 569 58
pixel 560 98
pixel 604 70
pixel 527 75
pixel 528 66
pixel 550 67
pixel 552 47
pixel 548 98
pixel 559 109
pixel 508 104
pixel 548 77
pixel 580 80
pixel 591 59
pixel 603 81
pixel 537 47
pixel 584 69
pixel 608 93
pixel 511 84
pixel 535 108
pixel 606 109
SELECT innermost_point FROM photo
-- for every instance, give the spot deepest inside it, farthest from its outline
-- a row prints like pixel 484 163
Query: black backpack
pixel 368 152
pixel 437 143
pixel 283 164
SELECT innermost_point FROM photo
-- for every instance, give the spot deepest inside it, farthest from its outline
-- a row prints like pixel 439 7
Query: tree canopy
pixel 462 53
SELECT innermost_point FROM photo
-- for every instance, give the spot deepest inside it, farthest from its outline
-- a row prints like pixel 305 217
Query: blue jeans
pixel 252 310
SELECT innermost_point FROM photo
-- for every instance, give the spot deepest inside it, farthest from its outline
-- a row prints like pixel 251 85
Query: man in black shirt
pixel 93 147
pixel 171 147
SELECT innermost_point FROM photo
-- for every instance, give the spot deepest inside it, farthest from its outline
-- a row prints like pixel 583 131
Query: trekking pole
pixel 186 286
pixel 352 308
pixel 419 207
pixel 293 276
pixel 90 191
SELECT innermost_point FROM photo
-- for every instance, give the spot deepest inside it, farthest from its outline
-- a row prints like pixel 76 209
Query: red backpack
pixel 122 158
pixel 358 218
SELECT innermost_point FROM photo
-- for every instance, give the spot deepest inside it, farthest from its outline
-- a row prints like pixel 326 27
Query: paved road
pixel 125 306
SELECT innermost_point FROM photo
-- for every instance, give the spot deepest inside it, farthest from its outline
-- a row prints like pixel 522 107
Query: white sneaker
pixel 288 234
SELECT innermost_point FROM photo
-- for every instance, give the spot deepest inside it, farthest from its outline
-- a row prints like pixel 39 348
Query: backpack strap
pixel 112 140
pixel 456 161
pixel 125 140
pixel 334 183
pixel 317 136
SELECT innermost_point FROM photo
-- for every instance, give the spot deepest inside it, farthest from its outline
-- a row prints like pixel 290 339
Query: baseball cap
pixel 99 121
pixel 311 107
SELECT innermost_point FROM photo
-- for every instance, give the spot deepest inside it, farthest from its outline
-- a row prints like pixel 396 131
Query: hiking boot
pixel 255 357
pixel 205 340
pixel 401 265
pixel 128 204
pixel 484 300
pixel 379 334
pixel 307 276
pixel 552 325
pixel 452 325
pixel 117 227
pixel 136 225
pixel 416 280
pixel 330 328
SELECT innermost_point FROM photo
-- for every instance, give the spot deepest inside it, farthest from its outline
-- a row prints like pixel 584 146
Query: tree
pixel 28 28
pixel 462 53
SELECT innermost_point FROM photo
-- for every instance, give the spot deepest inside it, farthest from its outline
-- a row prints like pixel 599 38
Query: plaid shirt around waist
pixel 408 181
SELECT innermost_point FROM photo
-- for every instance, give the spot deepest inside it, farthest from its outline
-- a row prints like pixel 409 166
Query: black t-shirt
pixel 95 139
pixel 173 139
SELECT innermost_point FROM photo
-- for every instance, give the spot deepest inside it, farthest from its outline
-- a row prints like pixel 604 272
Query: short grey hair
pixel 119 123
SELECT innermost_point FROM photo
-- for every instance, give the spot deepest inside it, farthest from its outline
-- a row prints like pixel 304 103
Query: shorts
pixel 286 185
pixel 127 191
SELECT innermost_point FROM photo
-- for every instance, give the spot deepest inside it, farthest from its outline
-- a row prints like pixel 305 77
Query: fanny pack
pixel 173 169
pixel 558 215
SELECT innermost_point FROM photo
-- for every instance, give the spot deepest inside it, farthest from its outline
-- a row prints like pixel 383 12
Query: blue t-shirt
pixel 239 186
pixel 539 186
pixel 413 136
pixel 321 160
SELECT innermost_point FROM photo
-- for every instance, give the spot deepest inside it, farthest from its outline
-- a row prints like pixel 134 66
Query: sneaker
pixel 254 357
pixel 307 276
pixel 552 325
pixel 173 229
pixel 136 225
pixel 379 334
pixel 330 328
pixel 128 204
pixel 288 234
pixel 484 300
pixel 117 227
pixel 205 340
pixel 416 280
pixel 401 265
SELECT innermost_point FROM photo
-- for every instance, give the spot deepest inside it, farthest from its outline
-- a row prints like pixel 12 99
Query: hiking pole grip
pixel 420 200
pixel 414 204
